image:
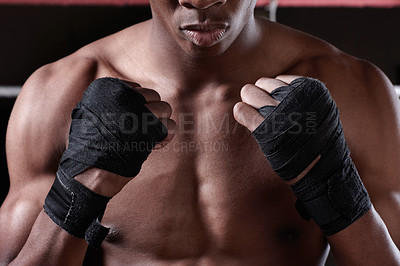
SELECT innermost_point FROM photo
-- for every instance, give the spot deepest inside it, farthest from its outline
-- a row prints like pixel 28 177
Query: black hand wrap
pixel 112 130
pixel 304 125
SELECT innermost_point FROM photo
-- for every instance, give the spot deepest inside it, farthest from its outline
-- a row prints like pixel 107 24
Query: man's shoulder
pixel 346 76
pixel 309 55
pixel 48 97
pixel 55 88
pixel 96 59
pixel 341 72
pixel 355 84
pixel 61 76
pixel 305 54
pixel 50 93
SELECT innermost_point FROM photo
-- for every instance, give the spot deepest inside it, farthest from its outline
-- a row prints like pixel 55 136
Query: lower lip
pixel 205 38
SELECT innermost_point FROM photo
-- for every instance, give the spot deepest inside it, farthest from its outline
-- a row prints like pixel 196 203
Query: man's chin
pixel 200 52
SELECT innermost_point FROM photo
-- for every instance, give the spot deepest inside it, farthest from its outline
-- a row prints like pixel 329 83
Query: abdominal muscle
pixel 216 205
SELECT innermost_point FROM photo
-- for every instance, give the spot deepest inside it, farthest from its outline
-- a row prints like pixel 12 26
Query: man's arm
pixel 36 138
pixel 86 177
pixel 366 241
pixel 370 114
pixel 372 127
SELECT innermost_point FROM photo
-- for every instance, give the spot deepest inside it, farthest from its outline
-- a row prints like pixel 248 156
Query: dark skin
pixel 209 196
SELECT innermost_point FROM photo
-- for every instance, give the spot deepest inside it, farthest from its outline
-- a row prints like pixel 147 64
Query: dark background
pixel 31 36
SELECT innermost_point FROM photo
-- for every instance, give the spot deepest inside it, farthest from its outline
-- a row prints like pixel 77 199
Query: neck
pixel 172 63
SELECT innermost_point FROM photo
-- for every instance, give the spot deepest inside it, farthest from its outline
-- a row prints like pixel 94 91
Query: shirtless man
pixel 209 197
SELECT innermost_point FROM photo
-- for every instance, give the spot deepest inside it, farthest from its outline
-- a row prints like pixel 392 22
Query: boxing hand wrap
pixel 304 125
pixel 111 129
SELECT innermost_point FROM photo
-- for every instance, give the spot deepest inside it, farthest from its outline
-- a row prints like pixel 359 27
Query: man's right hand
pixel 107 183
pixel 113 130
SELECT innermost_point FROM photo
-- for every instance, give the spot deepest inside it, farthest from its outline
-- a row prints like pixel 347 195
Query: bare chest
pixel 208 193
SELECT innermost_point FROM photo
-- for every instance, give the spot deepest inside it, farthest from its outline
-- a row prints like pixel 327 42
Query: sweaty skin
pixel 209 196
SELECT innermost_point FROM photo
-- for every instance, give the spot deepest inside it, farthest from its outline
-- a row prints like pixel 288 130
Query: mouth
pixel 205 35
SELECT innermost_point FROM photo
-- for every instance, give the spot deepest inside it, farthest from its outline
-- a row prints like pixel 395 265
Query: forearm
pixel 330 191
pixel 49 244
pixel 365 242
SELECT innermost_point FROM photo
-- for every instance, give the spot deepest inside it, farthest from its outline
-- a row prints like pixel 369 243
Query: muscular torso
pixel 209 197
